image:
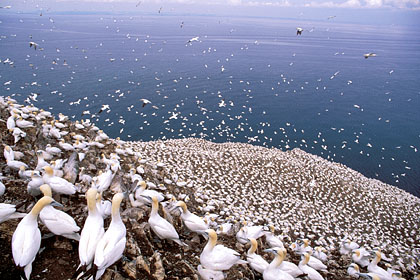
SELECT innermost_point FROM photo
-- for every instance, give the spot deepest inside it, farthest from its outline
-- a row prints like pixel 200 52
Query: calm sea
pixel 248 80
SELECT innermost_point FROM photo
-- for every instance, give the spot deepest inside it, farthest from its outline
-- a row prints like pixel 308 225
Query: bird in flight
pixel 299 31
pixel 35 45
pixel 145 102
pixel 367 55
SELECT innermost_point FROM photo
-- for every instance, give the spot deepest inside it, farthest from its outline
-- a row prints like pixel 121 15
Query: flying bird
pixel 103 108
pixel 145 102
pixel 367 55
pixel 35 45
pixel 299 31
pixel 194 39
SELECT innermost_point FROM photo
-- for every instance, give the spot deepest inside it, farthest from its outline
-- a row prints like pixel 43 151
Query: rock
pixel 142 266
pixel 132 250
pixel 129 269
pixel 159 271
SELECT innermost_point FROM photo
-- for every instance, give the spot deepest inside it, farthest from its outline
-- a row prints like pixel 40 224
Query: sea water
pixel 244 80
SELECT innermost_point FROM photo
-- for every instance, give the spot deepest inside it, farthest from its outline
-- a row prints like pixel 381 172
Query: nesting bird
pixel 58 222
pixel 255 261
pixel 273 270
pixel 161 227
pixel 57 184
pixel 8 212
pixel 112 244
pixel 218 257
pixel 92 232
pixel 193 222
pixel 26 239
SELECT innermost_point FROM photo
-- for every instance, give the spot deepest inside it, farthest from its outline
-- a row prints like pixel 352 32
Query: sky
pixel 403 12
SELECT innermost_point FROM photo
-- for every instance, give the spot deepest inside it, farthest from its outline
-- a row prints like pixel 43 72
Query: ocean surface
pixel 242 80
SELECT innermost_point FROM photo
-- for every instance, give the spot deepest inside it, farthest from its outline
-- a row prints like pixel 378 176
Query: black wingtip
pixel 81 269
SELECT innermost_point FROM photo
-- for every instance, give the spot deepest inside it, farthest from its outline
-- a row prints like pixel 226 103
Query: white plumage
pixel 26 239
pixel 111 246
pixel 58 222
pixel 218 257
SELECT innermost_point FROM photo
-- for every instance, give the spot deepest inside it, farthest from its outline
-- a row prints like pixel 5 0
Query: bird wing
pixel 59 221
pixel 26 241
pixel 163 228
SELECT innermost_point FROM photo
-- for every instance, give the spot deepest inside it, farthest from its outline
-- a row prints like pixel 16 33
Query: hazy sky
pixel 357 11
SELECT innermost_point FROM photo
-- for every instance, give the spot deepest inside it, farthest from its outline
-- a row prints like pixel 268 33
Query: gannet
pixel 8 153
pixel 347 246
pixel 299 31
pixel 218 257
pixel 8 211
pixel 112 244
pixel 374 268
pixel 367 55
pixel 301 248
pixel 35 45
pixel 26 174
pixel 20 122
pixel 312 274
pixel 41 161
pixel 103 181
pixel 247 232
pixel 353 270
pixel 10 123
pixel 316 263
pixel 193 222
pixel 58 222
pixel 66 146
pixel 208 274
pixel 161 227
pixel 194 39
pixel 16 164
pixel 255 261
pixel 272 239
pixel 288 267
pixel 34 184
pixel 361 257
pixel 26 239
pixel 57 184
pixel 145 102
pixel 141 193
pixel 92 232
pixel 273 270
pixel 320 253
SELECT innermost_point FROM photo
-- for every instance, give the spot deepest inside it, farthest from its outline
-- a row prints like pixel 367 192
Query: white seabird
pixel 26 239
pixel 111 246
pixel 218 257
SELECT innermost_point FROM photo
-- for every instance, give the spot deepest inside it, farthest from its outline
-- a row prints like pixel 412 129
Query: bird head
pixel 116 202
pixel 48 170
pixel 91 198
pixel 212 236
pixel 355 267
pixel 181 204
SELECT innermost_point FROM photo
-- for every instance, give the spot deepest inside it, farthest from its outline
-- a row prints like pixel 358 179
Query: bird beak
pixel 269 250
pixel 55 203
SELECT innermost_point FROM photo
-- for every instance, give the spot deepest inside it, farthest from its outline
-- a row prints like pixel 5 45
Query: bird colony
pixel 76 204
